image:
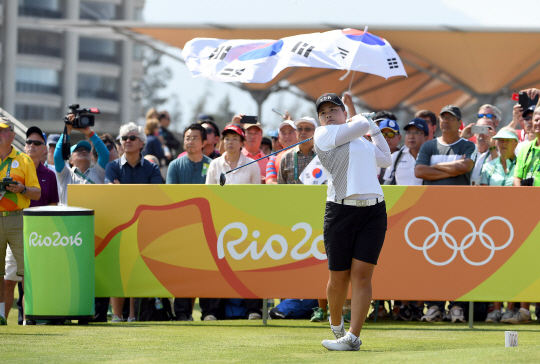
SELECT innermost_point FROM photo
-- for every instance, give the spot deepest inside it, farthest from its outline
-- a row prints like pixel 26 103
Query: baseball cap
pixel 505 134
pixel 235 128
pixel 528 110
pixel 202 117
pixel 285 123
pixel 247 126
pixel 81 144
pixel 333 98
pixel 35 129
pixel 389 124
pixel 273 133
pixel 53 139
pixel 306 119
pixel 419 123
pixel 6 123
pixel 454 110
pixel 267 142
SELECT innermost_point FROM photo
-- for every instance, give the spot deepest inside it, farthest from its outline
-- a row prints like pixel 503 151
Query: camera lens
pixel 85 121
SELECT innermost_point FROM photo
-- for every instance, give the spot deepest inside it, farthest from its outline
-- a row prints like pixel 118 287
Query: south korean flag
pixel 313 174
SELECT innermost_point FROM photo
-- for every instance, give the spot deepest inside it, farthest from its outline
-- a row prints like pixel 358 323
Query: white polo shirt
pixel 350 161
pixel 481 159
pixel 248 175
pixel 404 169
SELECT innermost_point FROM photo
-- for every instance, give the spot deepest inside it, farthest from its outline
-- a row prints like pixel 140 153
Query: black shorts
pixel 353 232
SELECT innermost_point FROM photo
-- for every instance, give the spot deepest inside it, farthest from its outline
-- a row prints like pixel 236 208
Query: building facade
pixel 45 68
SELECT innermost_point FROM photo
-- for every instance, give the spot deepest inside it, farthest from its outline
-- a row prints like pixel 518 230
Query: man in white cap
pixel 286 137
pixel 295 160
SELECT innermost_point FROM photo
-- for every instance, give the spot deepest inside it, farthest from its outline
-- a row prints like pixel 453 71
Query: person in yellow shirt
pixel 13 199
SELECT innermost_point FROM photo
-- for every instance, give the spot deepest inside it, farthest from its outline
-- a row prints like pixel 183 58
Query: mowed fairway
pixel 281 341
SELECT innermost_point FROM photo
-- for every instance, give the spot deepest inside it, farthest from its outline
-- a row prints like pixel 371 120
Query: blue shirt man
pixel 192 167
pixel 132 168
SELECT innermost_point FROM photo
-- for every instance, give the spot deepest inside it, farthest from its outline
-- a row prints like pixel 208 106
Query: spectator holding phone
pixel 521 111
pixel 527 171
pixel 252 145
pixel 484 130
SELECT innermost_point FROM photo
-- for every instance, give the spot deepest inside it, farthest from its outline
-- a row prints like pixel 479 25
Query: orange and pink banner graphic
pixel 442 243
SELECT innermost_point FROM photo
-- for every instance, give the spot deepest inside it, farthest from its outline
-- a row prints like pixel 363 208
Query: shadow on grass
pixel 305 324
pixel 29 334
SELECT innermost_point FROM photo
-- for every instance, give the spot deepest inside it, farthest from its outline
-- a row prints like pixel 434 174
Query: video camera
pixel 83 117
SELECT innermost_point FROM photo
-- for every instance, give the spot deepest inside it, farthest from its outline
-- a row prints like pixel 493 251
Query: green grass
pixel 281 341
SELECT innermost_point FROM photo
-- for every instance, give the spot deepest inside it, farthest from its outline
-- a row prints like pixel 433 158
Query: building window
pixel 99 50
pixel 138 52
pixel 98 11
pixel 36 112
pixel 39 43
pixel 138 14
pixel 37 80
pixel 97 87
pixel 40 8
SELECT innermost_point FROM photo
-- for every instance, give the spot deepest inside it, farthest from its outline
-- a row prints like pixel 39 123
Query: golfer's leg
pixel 336 291
pixel 131 307
pixel 8 297
pixel 2 289
pixel 361 274
pixel 117 305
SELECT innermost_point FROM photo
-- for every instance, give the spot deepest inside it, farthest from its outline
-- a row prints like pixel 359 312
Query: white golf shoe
pixel 338 331
pixel 344 343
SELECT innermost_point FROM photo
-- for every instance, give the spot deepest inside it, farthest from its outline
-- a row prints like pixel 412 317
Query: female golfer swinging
pixel 355 216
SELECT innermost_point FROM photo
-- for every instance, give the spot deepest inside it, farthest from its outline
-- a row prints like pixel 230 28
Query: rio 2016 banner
pixel 442 243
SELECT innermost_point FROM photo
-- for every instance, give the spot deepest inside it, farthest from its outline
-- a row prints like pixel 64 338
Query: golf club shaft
pixel 269 155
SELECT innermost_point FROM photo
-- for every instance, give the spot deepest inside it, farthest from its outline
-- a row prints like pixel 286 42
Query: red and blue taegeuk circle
pixel 265 51
pixel 317 172
pixel 361 36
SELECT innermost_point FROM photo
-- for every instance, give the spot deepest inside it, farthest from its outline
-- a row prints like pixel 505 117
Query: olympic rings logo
pixel 466 242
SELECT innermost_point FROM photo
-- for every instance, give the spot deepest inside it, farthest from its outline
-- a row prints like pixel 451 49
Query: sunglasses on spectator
pixel 37 143
pixel 110 146
pixel 390 134
pixel 209 130
pixel 130 137
pixel 489 116
pixel 527 118
pixel 307 130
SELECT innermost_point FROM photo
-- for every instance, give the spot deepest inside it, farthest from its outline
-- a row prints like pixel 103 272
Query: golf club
pixel 223 179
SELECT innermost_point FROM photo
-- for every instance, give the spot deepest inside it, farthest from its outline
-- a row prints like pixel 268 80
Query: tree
pixel 149 88
pixel 224 113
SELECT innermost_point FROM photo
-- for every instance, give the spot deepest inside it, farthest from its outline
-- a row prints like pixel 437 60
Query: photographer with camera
pixel 527 171
pixel 19 185
pixel 80 171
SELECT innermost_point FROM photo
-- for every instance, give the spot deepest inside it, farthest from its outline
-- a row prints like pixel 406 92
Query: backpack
pixel 146 310
pixel 235 308
pixel 398 159
pixel 294 309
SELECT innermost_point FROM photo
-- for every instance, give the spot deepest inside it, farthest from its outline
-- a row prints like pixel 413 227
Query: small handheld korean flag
pixel 313 174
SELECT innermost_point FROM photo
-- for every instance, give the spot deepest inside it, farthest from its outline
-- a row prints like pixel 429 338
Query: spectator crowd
pixel 477 154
